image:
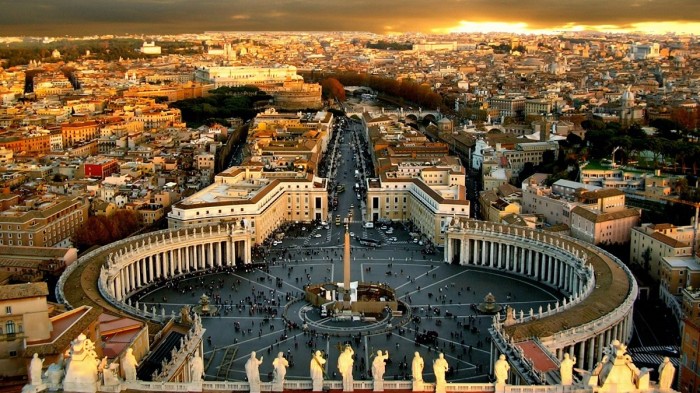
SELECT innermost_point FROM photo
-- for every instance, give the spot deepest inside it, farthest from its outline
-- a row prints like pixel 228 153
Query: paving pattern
pixel 441 297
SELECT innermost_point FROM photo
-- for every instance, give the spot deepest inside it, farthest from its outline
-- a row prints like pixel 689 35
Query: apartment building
pixel 45 221
pixel 651 243
pixel 76 132
pixel 607 221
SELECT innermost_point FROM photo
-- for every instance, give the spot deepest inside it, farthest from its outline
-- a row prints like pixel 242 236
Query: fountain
pixel 489 305
pixel 204 308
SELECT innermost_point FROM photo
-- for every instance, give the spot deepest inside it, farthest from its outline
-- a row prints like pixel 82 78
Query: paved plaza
pixel 441 297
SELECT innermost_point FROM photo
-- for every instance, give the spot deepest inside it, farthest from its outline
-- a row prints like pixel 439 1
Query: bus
pixel 369 242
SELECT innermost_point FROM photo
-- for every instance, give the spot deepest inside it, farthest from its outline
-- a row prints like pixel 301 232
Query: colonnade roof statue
pixel 614 373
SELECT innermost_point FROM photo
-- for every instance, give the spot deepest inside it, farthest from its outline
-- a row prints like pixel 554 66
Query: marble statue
pixel 666 373
pixel 35 367
pixel 110 374
pixel 501 369
pixel 345 363
pixel 129 365
pixel 643 379
pixel 196 369
pixel 81 368
pixel 55 372
pixel 185 315
pixel 440 368
pixel 566 369
pixel 317 369
pixel 417 368
pixel 378 369
pixel 280 365
pixel 253 373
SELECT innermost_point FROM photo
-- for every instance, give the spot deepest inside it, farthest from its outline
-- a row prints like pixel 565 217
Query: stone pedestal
pixel 378 386
pixel 440 387
pixel 80 387
pixel 34 388
pixel 418 386
pixel 277 386
pixel 499 388
pixel 195 386
pixel 254 387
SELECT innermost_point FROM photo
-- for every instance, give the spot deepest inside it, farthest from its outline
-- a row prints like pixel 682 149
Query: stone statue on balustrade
pixel 317 368
pixel 55 373
pixel 81 367
pixel 666 372
pixel 417 372
pixel 252 372
pixel 378 369
pixel 345 364
pixel 440 368
pixel 129 365
pixel 566 369
pixel 185 315
pixel 35 368
pixel 196 369
pixel 110 374
pixel 501 369
pixel 280 365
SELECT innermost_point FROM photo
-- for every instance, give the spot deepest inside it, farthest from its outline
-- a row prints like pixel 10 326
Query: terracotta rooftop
pixel 540 360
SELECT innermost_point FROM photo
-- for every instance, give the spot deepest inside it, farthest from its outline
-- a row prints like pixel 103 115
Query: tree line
pixel 221 103
pixel 408 92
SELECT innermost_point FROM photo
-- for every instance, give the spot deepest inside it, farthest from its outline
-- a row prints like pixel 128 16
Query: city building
pixel 24 317
pixel 259 199
pixel 427 195
pixel 651 243
pixel 606 222
pixel 46 221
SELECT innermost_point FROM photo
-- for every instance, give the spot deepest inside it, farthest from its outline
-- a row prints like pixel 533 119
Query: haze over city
pixel 78 17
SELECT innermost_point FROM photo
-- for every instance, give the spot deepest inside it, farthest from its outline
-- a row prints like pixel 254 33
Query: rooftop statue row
pixel 82 372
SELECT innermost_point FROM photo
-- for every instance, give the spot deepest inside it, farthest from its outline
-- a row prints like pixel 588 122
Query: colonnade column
pixel 591 353
pixel 581 353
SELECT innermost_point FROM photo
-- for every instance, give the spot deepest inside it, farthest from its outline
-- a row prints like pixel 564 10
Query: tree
pixel 333 88
pixel 102 230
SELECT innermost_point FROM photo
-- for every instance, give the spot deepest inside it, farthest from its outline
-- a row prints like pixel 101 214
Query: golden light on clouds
pixel 525 28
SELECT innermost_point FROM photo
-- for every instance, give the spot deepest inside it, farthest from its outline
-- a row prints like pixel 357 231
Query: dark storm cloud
pixel 44 17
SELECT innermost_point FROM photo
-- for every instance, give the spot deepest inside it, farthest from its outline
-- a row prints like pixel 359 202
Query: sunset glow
pixel 525 28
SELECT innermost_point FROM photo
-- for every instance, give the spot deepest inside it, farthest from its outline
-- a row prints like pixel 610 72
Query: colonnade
pixel 148 260
pixel 588 350
pixel 553 267
pixel 559 262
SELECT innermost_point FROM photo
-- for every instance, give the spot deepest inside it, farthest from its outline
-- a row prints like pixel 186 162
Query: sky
pixel 85 17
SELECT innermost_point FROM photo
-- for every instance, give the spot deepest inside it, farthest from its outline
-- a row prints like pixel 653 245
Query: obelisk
pixel 346 268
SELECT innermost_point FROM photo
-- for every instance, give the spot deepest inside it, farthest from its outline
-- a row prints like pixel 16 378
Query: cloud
pixel 74 17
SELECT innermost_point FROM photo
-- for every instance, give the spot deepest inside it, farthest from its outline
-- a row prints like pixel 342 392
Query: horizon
pixel 172 17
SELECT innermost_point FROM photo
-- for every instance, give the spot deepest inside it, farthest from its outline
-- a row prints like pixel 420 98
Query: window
pixel 10 327
pixel 8 310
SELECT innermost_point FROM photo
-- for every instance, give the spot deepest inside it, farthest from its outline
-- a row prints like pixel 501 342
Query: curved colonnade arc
pixel 600 290
pixel 130 265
